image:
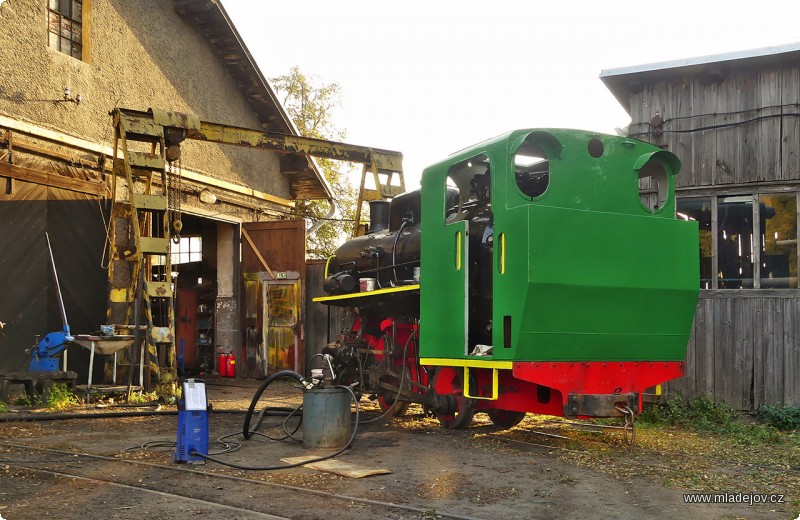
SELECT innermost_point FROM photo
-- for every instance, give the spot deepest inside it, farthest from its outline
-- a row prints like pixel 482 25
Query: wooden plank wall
pixel 765 150
pixel 745 345
pixel 743 351
pixel 319 325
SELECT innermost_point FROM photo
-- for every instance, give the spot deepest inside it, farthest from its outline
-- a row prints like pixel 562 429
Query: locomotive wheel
pixel 453 409
pixel 505 418
pixel 387 398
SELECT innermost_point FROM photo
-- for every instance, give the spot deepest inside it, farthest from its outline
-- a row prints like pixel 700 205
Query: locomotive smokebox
pixel 378 215
pixel 326 418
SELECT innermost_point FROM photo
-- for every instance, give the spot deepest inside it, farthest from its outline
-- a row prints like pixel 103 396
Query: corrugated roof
pixel 215 25
pixel 625 80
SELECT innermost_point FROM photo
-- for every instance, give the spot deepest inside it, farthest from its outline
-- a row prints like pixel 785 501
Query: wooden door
pixel 273 254
pixel 186 327
pixel 282 312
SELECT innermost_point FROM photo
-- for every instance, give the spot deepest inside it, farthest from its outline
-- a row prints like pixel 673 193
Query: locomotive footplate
pixel 600 405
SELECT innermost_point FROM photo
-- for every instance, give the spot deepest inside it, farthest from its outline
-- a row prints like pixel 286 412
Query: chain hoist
pixel 174 191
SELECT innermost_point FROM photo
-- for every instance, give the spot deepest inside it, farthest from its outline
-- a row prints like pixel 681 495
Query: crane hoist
pixel 143 220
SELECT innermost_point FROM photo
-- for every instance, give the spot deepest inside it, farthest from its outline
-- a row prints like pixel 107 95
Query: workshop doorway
pixel 194 267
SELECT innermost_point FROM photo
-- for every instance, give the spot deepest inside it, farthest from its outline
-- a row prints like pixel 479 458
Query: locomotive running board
pixel 474 363
pixel 356 296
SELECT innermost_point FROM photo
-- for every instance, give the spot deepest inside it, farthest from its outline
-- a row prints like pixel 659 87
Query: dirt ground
pixel 95 469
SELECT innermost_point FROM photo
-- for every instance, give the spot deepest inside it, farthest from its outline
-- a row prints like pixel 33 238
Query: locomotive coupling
pixel 600 405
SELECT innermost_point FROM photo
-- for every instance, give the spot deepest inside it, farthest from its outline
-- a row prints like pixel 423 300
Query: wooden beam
pixel 88 146
pixel 78 162
pixel 10 146
pixel 246 236
pixel 51 179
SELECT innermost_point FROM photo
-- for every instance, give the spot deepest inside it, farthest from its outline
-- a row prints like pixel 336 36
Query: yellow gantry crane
pixel 145 213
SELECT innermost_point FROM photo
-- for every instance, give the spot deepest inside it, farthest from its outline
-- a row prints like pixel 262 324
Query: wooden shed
pixel 734 121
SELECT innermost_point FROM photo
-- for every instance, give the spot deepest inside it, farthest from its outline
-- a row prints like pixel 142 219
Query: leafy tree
pixel 309 103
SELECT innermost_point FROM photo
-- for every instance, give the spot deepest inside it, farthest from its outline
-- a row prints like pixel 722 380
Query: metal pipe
pixel 58 286
pixel 394 247
pixel 318 224
pixel 135 343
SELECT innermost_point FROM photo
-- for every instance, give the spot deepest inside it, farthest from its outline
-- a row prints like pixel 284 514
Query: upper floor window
pixel 746 241
pixel 65 26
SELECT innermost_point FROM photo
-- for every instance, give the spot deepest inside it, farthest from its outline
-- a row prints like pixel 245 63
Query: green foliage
pixel 61 397
pixel 3 407
pixel 704 415
pixel 310 103
pixel 26 401
pixel 700 414
pixel 783 418
pixel 142 397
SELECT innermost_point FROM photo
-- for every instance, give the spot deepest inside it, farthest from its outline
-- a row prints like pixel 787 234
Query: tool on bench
pixel 44 354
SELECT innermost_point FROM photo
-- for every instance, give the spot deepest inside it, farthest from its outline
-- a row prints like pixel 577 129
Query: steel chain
pixel 174 197
pixel 629 428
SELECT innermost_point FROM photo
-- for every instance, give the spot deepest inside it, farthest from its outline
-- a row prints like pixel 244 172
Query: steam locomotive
pixel 541 271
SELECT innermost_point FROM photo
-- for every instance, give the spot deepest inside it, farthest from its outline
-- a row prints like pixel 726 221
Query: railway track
pixel 268 500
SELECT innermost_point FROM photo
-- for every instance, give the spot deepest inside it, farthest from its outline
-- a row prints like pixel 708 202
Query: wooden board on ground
pixel 338 467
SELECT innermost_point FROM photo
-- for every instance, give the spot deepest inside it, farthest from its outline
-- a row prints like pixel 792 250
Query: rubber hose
pixel 196 453
pixel 246 433
pixel 102 415
pixel 36 417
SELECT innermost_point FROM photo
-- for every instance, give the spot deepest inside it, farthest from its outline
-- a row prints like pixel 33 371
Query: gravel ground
pixel 477 473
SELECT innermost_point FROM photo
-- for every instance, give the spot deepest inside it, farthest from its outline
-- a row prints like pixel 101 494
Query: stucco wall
pixel 142 54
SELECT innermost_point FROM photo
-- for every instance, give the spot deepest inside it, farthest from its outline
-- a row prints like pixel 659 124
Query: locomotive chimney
pixel 378 215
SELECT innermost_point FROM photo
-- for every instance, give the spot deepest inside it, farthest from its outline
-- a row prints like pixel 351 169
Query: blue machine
pixel 44 356
pixel 192 422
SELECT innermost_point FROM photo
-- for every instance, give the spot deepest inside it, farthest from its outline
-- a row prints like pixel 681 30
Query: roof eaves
pixel 622 81
pixel 261 82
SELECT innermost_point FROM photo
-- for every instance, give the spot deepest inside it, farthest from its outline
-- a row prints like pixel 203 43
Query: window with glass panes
pixel 746 240
pixel 188 249
pixel 65 26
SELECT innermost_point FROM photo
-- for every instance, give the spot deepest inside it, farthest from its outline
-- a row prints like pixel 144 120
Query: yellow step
pixel 149 202
pixel 146 161
pixel 154 246
pixel 158 289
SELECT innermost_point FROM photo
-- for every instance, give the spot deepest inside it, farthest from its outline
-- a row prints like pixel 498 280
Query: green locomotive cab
pixel 581 286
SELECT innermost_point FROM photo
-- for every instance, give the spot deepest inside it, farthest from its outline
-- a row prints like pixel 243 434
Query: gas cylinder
pixel 222 364
pixel 230 364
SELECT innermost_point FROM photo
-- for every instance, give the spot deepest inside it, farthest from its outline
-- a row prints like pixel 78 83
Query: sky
pixel 431 78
